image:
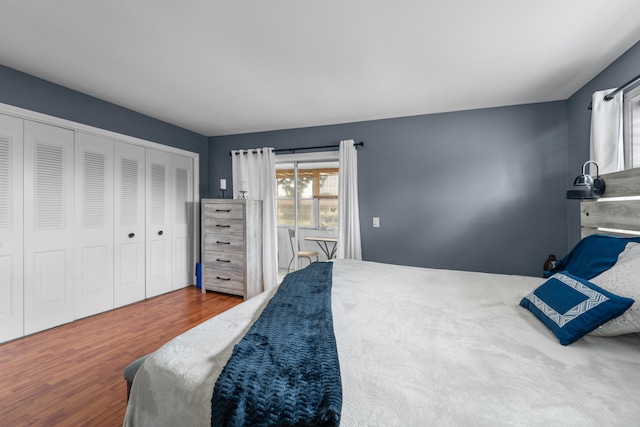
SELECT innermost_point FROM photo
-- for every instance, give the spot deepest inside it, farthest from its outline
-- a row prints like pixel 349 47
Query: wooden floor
pixel 72 375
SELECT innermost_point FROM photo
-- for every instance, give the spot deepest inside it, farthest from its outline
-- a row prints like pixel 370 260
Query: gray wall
pixel 623 69
pixel 29 92
pixel 478 190
pixel 445 186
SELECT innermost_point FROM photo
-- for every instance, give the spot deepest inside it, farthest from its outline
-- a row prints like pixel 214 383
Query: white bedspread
pixel 419 347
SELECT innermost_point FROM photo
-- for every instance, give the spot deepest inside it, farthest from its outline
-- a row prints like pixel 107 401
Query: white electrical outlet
pixel 376 222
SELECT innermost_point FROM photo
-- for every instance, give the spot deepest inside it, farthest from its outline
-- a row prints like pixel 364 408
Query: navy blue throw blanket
pixel 285 370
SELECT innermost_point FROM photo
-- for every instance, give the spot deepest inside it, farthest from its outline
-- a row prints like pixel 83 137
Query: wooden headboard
pixel 611 212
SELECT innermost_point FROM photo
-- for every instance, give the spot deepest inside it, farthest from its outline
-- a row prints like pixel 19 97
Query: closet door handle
pixel 160 233
pixel 132 235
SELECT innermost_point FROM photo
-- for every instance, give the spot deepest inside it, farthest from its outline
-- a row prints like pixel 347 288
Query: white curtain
pixel 349 246
pixel 254 171
pixel 607 147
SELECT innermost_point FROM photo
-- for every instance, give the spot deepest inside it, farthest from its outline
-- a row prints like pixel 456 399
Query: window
pixel 317 195
pixel 632 128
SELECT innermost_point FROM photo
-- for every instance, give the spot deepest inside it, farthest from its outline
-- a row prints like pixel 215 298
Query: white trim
pixel 618 230
pixel 196 212
pixel 631 97
pixel 617 199
pixel 34 116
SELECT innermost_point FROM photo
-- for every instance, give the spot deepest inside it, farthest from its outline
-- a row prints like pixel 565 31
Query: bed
pixel 420 346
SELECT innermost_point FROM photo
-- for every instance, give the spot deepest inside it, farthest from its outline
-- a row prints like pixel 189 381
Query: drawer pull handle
pixel 160 233
pixel 132 235
pixel 222 278
pixel 222 226
pixel 223 210
pixel 223 260
pixel 222 243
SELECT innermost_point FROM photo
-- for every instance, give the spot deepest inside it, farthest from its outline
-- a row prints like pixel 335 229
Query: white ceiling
pixel 226 67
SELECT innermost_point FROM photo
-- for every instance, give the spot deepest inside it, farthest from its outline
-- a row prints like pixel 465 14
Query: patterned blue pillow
pixel 572 307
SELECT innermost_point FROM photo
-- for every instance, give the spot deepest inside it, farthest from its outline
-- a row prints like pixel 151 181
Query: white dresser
pixel 232 246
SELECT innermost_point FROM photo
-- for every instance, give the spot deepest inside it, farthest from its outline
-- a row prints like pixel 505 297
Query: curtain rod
pixel 318 147
pixel 609 96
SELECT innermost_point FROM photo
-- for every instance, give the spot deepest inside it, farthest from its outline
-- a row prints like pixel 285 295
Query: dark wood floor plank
pixel 72 375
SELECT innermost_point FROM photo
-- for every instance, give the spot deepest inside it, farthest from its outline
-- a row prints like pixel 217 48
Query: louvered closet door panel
pixel 93 224
pixel 11 233
pixel 129 240
pixel 158 223
pixel 48 228
pixel 182 228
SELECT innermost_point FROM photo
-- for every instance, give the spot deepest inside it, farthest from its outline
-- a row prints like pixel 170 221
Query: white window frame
pixel 306 158
pixel 631 128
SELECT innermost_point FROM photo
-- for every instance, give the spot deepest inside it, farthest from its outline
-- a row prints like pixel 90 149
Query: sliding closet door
pixel 158 223
pixel 48 226
pixel 11 233
pixel 182 216
pixel 129 240
pixel 94 224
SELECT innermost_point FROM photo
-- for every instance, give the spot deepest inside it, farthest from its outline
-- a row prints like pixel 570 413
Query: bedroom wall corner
pixel 620 71
pixel 219 163
pixel 479 190
pixel 32 93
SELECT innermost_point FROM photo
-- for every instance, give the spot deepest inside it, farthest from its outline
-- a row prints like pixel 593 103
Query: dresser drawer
pixel 224 260
pixel 223 226
pixel 223 211
pixel 224 280
pixel 224 242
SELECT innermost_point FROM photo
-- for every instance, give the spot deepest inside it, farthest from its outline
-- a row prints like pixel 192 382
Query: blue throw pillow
pixel 572 307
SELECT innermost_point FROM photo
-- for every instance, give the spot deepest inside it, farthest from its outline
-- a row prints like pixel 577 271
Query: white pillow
pixel 631 252
pixel 622 279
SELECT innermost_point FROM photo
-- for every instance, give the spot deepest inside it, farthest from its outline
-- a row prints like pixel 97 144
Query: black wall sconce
pixel 585 187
